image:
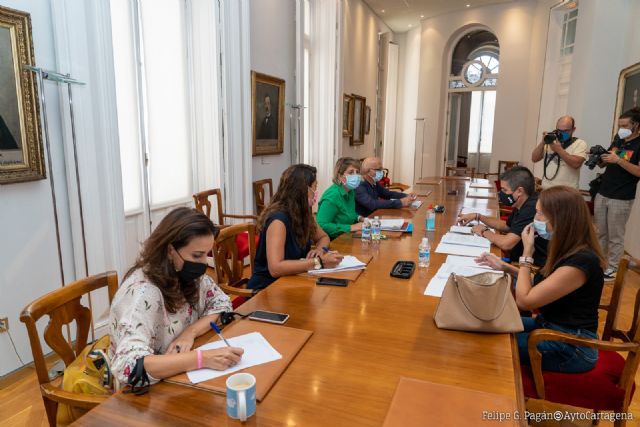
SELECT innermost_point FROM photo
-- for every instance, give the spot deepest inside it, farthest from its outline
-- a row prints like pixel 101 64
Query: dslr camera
pixel 549 137
pixel 595 153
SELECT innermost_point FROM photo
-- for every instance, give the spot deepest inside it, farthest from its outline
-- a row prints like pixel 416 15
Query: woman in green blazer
pixel 337 206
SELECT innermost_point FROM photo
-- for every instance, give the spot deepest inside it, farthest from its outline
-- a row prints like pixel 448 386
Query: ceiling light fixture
pixel 421 16
pixel 382 11
pixel 468 5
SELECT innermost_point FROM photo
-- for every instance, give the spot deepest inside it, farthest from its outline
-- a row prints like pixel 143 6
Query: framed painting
pixel 267 101
pixel 347 115
pixel 367 120
pixel 628 93
pixel 21 151
pixel 359 103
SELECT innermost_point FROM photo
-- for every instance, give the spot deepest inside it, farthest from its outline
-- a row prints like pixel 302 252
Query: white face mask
pixel 624 133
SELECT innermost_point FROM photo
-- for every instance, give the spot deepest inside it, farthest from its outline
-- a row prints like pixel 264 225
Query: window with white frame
pixel 569 23
pixel 306 42
pixel 153 98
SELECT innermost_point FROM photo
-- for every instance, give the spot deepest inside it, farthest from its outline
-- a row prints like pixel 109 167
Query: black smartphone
pixel 329 281
pixel 269 316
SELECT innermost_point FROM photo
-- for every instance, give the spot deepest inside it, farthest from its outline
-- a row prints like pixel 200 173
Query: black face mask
pixel 506 199
pixel 190 270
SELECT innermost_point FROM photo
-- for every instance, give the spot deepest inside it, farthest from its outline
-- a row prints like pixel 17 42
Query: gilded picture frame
pixel 359 106
pixel 267 107
pixel 367 120
pixel 628 95
pixel 21 150
pixel 347 115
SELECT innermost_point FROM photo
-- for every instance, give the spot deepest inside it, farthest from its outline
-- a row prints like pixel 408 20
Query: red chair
pixel 607 387
pixel 203 204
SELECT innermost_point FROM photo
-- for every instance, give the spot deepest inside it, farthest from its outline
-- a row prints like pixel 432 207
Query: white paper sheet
pixel 481 185
pixel 464 261
pixel 466 240
pixel 348 263
pixel 460 229
pixel 480 194
pixel 445 248
pixel 394 224
pixel 481 211
pixel 416 204
pixel 257 351
pixel 437 284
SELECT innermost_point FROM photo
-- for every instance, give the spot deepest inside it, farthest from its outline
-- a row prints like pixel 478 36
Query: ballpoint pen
pixel 215 328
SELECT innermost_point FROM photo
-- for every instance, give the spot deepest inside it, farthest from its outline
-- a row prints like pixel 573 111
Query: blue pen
pixel 325 249
pixel 215 328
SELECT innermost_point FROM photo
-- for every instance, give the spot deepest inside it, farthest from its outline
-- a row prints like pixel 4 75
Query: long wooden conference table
pixel 365 338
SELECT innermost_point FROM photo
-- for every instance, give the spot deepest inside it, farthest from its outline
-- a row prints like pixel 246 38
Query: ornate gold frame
pixel 263 78
pixel 622 82
pixel 347 106
pixel 32 166
pixel 358 132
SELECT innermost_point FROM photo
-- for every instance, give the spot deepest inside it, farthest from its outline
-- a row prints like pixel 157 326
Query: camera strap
pixel 548 158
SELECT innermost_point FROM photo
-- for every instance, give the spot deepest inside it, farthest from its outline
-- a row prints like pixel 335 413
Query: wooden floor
pixel 22 405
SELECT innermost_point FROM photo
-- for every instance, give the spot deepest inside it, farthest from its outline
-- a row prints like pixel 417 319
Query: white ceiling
pixel 403 15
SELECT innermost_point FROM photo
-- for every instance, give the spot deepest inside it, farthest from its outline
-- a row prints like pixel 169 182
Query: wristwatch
pixel 317 263
pixel 483 231
pixel 526 260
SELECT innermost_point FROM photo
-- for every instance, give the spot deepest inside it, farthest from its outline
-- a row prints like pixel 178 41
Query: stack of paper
pixel 447 248
pixel 466 240
pixel 481 185
pixel 460 229
pixel 480 194
pixel 257 351
pixel 394 224
pixel 348 263
pixel 469 209
pixel 462 266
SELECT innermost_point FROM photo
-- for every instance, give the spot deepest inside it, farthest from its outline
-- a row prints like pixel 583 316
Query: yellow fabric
pixel 81 376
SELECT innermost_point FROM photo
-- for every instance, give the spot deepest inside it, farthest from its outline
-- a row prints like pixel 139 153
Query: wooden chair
pixel 229 261
pixel 456 171
pixel 503 166
pixel 607 387
pixel 395 186
pixel 63 307
pixel 259 193
pixel 203 204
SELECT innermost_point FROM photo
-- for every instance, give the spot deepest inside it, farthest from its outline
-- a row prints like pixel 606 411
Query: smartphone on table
pixel 269 316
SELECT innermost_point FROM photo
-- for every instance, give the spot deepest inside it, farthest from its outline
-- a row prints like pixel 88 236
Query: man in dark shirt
pixel 612 205
pixel 518 191
pixel 371 195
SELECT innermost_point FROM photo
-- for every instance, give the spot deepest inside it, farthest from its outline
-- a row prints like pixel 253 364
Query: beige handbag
pixel 479 303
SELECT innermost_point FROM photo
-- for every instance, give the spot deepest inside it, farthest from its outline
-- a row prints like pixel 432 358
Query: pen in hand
pixel 215 328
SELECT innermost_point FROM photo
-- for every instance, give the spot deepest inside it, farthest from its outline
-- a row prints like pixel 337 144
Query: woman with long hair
pixel 567 290
pixel 166 300
pixel 337 206
pixel 288 230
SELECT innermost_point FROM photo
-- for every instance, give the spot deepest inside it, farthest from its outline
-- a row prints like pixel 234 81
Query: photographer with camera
pixel 617 191
pixel 563 154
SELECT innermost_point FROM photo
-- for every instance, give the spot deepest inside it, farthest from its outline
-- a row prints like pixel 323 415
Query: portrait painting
pixel 628 92
pixel 21 152
pixel 267 99
pixel 359 104
pixel 347 115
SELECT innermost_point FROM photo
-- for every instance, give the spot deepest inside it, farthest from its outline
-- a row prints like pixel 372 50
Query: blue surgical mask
pixel 541 229
pixel 379 176
pixel 353 181
pixel 565 135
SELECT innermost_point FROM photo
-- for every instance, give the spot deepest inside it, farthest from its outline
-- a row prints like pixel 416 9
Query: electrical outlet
pixel 4 324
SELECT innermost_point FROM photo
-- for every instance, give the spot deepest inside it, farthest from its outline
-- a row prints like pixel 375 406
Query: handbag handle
pixel 504 302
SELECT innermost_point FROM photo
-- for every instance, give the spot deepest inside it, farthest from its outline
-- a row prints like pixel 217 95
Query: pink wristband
pixel 199 358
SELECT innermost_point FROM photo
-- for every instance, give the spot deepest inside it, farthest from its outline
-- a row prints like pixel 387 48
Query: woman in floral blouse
pixel 166 301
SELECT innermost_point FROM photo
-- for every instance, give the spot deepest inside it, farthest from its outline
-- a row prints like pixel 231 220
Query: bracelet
pixel 526 260
pixel 321 263
pixel 199 359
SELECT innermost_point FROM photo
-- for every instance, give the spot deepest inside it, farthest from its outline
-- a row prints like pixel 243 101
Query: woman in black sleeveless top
pixel 288 230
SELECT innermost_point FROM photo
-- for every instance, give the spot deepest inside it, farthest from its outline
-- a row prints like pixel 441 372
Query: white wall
pixel 520 30
pixel 408 76
pixel 273 52
pixel 360 27
pixel 68 36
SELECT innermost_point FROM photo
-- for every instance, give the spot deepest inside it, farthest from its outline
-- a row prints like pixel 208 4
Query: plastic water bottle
pixel 424 253
pixel 366 230
pixel 431 219
pixel 375 228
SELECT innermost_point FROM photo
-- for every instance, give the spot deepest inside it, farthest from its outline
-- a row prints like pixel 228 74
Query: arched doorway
pixel 472 85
